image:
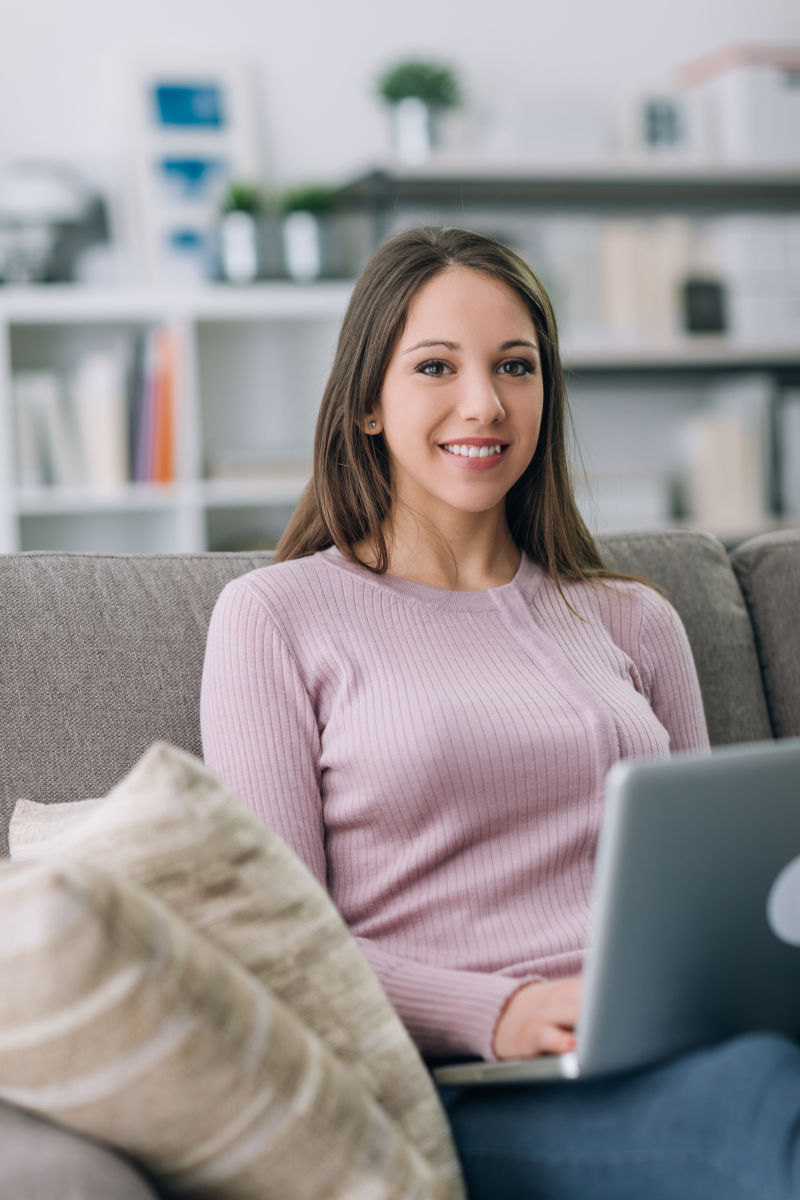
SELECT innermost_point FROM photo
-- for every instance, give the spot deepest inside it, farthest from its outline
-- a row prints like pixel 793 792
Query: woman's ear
pixel 370 424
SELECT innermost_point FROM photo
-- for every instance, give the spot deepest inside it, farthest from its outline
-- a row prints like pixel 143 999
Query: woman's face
pixel 461 402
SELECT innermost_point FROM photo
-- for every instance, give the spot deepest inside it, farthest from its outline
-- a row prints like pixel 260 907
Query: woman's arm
pixel 257 724
pixel 669 674
pixel 445 1011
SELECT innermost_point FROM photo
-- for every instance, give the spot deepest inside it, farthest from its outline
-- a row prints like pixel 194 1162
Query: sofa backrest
pixel 768 571
pixel 101 655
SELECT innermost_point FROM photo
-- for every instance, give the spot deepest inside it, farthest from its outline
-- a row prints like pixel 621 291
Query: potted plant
pixel 418 91
pixel 239 237
pixel 305 209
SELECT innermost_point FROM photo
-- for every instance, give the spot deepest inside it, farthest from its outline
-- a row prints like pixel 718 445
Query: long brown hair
pixel 349 497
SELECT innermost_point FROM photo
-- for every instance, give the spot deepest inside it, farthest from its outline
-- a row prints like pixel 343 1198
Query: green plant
pixel 243 196
pixel 308 197
pixel 432 82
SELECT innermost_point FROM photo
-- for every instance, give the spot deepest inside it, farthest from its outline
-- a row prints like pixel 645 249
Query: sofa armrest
pixel 41 1161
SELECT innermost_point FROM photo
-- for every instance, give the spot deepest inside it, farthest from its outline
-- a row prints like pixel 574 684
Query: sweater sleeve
pixel 257 723
pixel 260 735
pixel 444 1010
pixel 669 674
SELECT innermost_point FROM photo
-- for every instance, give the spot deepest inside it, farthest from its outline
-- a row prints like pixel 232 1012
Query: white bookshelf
pixel 251 368
pixel 251 365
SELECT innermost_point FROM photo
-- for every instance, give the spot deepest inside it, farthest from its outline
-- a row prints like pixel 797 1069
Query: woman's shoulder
pixel 280 584
pixel 294 593
pixel 629 607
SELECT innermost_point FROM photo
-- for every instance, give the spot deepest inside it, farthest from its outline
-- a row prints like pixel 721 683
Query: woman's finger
pixel 553 1040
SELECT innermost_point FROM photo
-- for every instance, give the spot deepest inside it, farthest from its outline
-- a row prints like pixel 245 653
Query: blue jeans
pixel 722 1123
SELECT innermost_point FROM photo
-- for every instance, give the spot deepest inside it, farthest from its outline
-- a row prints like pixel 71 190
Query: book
pixel 153 407
pixel 163 432
pixel 788 452
pixel 100 403
pixel 728 456
pixel 145 409
pixel 30 461
pixel 642 266
pixel 48 451
pixel 135 390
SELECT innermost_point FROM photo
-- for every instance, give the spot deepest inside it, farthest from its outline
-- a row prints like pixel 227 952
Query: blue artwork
pixel 187 254
pixel 185 180
pixel 186 240
pixel 190 105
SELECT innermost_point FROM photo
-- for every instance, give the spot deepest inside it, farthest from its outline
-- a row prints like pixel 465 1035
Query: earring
pixel 372 424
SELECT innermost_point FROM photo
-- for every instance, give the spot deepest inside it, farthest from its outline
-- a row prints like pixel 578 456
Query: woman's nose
pixel 479 399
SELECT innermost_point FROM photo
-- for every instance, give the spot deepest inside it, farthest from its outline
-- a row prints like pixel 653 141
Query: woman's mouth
pixel 471 451
pixel 474 454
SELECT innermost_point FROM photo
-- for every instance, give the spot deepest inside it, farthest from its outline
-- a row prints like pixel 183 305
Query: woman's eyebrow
pixel 520 342
pixel 433 342
pixel 456 346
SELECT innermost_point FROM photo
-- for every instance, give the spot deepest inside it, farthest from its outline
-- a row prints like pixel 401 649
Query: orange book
pixel 163 459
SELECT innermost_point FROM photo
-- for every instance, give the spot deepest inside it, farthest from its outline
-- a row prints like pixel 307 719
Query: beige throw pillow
pixel 173 828
pixel 119 1021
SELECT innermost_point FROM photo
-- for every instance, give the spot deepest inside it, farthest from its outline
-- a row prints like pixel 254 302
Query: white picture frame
pixel 192 131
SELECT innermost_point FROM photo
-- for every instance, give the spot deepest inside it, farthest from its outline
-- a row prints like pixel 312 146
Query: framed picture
pixel 192 133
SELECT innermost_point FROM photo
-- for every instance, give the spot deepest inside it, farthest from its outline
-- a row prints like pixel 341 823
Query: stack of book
pixel 109 423
pixel 729 459
pixel 152 407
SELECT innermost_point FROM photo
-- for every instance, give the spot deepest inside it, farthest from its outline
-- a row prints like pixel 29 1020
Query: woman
pixel 423 698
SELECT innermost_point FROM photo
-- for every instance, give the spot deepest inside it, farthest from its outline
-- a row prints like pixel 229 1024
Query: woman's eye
pixel 433 368
pixel 516 366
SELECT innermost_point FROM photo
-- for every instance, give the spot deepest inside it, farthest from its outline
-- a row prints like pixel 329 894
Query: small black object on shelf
pixel 704 308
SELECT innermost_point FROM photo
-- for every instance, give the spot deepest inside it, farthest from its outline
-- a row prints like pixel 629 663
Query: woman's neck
pixel 473 557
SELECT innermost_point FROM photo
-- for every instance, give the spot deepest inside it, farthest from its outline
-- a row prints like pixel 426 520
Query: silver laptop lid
pixel 696 931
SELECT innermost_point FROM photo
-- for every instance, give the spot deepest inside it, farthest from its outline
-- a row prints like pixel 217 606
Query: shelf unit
pixel 250 369
pixel 252 362
pixel 655 186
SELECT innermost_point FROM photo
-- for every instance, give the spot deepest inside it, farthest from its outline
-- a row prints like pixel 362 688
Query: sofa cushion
pixel 118 1021
pixel 172 827
pixel 768 570
pixel 694 571
pixel 42 1161
pixel 103 657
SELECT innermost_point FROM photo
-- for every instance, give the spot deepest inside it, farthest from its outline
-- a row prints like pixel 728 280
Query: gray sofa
pixel 101 655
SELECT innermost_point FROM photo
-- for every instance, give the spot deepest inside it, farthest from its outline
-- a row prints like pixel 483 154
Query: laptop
pixel 695 934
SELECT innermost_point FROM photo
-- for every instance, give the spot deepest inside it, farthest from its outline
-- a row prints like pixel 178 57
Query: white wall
pixel 61 63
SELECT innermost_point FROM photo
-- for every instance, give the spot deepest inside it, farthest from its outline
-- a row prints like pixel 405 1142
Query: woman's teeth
pixel 472 451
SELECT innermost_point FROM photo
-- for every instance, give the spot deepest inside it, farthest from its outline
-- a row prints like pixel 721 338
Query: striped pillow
pixel 119 1021
pixel 170 826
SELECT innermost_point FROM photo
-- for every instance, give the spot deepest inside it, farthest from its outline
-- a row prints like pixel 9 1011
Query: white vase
pixel 302 246
pixel 239 247
pixel 413 129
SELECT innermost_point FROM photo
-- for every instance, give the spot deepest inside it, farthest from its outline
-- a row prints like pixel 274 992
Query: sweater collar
pixel 526 580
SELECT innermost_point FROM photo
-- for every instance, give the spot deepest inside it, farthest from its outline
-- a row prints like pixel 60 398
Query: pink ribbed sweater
pixel 437 760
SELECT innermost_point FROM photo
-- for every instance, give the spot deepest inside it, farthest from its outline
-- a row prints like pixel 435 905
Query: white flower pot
pixel 302 246
pixel 413 130
pixel 239 247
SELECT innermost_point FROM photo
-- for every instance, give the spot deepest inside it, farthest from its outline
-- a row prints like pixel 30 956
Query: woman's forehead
pixel 460 299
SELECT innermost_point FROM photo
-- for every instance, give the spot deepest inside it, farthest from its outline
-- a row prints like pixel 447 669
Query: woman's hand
pixel 539 1019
